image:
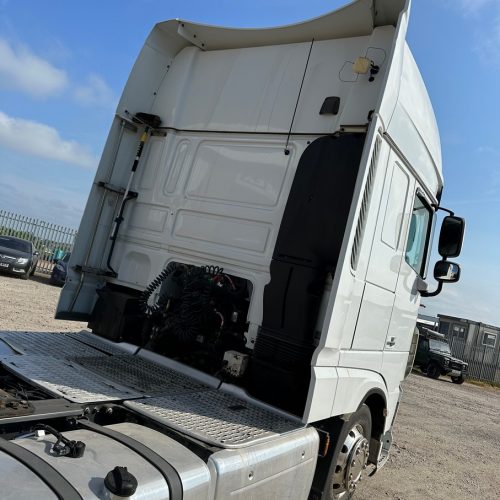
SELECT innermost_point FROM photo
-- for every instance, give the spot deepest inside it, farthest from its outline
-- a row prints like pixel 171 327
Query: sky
pixel 63 66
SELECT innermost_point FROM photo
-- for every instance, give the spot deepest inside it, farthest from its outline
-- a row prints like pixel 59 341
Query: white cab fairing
pixel 214 183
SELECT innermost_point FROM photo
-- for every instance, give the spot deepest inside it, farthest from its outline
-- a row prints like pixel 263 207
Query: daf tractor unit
pixel 250 263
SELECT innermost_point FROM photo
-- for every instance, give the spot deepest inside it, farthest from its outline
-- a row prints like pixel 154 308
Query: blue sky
pixel 63 65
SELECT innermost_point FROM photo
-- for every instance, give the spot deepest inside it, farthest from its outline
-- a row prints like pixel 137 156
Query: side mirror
pixel 451 237
pixel 446 272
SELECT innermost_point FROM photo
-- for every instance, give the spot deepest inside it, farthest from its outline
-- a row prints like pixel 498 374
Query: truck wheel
pixel 458 380
pixel 433 371
pixel 350 457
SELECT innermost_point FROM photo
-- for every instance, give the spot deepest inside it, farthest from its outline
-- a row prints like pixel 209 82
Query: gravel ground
pixel 446 444
pixel 446 437
pixel 31 305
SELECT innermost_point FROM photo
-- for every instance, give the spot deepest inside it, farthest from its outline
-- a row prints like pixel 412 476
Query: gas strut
pixel 150 122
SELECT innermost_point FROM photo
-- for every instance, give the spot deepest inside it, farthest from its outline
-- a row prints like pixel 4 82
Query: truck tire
pixel 458 380
pixel 350 457
pixel 433 371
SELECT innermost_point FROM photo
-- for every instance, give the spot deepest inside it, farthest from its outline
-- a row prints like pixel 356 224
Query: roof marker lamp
pixel 363 65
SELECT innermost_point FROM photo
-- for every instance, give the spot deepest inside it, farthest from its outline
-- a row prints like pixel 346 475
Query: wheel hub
pixel 352 461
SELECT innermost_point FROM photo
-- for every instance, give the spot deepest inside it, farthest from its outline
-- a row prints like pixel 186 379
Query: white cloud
pixel 489 44
pixel 465 305
pixel 22 69
pixel 486 149
pixel 95 92
pixel 44 200
pixel 37 139
pixel 472 6
pixel 485 15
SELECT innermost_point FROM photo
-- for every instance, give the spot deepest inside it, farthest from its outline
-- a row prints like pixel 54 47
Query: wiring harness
pixel 198 313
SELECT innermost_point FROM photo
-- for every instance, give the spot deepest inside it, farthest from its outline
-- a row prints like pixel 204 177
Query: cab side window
pixel 419 235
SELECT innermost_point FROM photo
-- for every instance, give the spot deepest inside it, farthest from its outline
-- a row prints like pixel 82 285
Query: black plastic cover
pixel 330 106
pixel 307 249
pixel 117 316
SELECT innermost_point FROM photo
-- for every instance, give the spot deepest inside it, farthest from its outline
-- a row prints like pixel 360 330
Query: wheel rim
pixel 351 462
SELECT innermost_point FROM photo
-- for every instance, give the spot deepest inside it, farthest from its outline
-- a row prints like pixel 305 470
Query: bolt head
pixel 354 462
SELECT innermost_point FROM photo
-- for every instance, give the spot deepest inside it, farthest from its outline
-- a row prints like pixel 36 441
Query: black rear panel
pixel 307 249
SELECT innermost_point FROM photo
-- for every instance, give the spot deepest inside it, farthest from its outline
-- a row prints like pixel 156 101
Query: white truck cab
pixel 250 262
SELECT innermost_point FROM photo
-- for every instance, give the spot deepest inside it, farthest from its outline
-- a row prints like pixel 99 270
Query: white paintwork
pixel 353 384
pixel 322 393
pixel 374 317
pixel 213 191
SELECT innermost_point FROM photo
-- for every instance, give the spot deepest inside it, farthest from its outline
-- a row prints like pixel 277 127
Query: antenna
pixel 287 151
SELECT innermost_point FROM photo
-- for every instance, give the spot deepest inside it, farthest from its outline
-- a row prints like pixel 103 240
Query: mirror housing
pixel 446 272
pixel 451 237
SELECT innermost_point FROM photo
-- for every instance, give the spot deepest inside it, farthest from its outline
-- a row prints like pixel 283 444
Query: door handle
pixel 391 342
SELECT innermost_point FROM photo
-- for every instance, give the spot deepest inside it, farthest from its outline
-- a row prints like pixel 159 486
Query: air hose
pixel 146 308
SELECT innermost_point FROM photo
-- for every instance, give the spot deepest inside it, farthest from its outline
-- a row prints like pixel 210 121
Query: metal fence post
pixel 45 237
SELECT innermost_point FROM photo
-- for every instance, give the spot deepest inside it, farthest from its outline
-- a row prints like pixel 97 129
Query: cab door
pixel 385 258
pixel 412 272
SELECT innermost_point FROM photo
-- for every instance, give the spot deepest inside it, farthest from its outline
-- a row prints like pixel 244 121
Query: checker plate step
pixel 64 378
pixel 140 374
pixel 216 418
pixel 94 341
pixel 47 344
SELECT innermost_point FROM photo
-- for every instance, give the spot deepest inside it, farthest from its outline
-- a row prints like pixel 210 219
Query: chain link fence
pixel 483 360
pixel 51 241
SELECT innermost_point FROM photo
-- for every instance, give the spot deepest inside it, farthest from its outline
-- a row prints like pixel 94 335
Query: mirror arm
pixel 437 207
pixel 437 291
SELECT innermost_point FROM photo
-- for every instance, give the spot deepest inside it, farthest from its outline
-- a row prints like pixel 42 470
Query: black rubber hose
pixel 147 309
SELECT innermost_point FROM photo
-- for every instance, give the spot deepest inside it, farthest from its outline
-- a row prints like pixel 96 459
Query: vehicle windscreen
pixel 22 246
pixel 437 345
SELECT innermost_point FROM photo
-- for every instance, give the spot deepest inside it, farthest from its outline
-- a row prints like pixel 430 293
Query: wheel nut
pixel 350 477
pixel 354 462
